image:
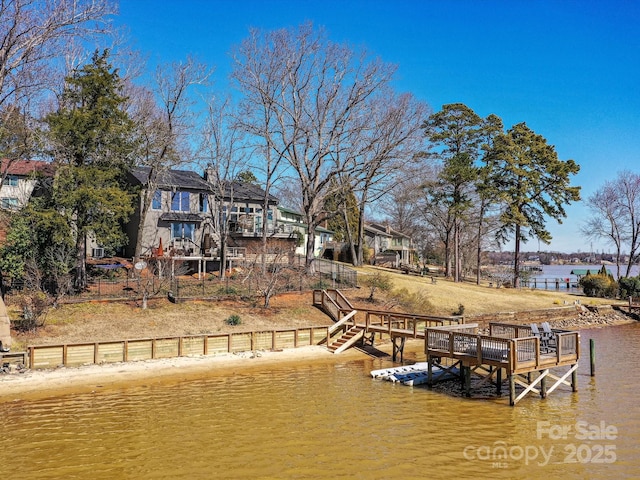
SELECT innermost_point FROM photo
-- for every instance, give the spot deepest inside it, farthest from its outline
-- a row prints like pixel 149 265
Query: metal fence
pixel 243 283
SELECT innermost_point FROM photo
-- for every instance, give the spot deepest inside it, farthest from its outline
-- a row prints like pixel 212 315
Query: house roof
pixel 26 167
pixel 288 210
pixel 188 179
pixel 171 178
pixel 581 272
pixel 388 230
pixel 180 217
pixel 376 231
pixel 241 191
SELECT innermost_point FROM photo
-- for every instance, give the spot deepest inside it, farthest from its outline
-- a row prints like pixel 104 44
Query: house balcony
pixel 280 231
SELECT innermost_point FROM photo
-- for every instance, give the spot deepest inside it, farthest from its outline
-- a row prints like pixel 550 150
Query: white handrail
pixel 342 321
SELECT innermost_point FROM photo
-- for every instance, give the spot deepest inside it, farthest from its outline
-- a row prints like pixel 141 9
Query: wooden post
pixel 467 380
pixel 499 380
pixel 574 379
pixel 592 356
pixel 512 389
pixel 543 387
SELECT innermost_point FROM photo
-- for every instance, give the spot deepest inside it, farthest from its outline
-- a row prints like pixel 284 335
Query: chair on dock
pixel 544 340
pixel 550 337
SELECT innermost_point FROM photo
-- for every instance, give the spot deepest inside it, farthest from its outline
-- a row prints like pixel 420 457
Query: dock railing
pixel 511 346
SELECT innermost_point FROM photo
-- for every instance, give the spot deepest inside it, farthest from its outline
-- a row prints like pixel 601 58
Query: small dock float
pixel 415 374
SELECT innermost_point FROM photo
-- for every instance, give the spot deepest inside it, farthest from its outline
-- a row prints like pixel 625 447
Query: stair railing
pixel 342 321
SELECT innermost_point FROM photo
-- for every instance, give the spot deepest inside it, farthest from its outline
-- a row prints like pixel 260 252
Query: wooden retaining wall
pixel 70 355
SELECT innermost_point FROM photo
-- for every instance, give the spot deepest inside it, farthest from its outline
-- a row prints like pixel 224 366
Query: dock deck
pixel 511 348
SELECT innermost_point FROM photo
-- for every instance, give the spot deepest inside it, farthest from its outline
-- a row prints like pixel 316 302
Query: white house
pixel 19 179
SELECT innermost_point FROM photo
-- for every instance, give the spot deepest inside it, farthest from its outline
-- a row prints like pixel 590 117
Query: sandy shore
pixel 67 380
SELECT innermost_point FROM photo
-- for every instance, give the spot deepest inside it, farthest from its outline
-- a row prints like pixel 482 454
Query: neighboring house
pixel 382 238
pixel 187 216
pixel 179 214
pixel 20 178
pixel 291 222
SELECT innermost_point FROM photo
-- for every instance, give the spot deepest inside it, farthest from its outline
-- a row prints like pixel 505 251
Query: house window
pixel 182 231
pixel 204 203
pixel 9 202
pixel 156 202
pixel 180 202
pixel 11 181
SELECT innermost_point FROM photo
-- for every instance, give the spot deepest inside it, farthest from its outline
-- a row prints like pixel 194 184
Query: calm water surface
pixel 332 421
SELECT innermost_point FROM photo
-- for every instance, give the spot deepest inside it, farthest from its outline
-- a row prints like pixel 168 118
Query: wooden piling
pixel 592 356
pixel 512 389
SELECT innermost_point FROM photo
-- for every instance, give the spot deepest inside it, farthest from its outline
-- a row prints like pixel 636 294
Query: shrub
pixel 600 285
pixel 34 306
pixel 629 287
pixel 320 285
pixel 233 320
pixel 412 301
pixel 227 290
pixel 377 281
pixel 460 310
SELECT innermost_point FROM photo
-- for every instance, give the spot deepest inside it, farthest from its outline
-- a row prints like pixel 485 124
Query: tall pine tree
pixel 92 147
pixel 532 183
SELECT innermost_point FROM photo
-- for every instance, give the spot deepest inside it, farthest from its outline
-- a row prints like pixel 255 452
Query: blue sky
pixel 569 69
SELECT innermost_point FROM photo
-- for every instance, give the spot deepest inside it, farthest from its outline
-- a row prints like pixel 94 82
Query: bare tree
pixel 269 280
pixel 34 35
pixel 317 95
pixel 223 153
pixel 151 279
pixel 615 209
pixel 260 82
pixel 164 126
pixel 390 138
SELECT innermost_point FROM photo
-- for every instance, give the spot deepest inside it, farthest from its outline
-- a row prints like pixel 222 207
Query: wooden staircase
pixel 334 304
pixel 346 340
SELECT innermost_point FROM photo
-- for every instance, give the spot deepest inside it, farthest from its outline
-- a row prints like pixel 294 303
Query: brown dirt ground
pixel 103 321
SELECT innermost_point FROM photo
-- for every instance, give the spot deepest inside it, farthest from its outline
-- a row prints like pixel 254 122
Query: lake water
pixel 332 420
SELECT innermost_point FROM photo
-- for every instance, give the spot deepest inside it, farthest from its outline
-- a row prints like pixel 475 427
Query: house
pixel 188 216
pixel 179 215
pixel 384 239
pixel 292 222
pixel 19 179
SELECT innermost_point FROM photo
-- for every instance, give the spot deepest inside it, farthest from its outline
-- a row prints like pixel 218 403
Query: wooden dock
pixel 527 360
pixel 362 325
